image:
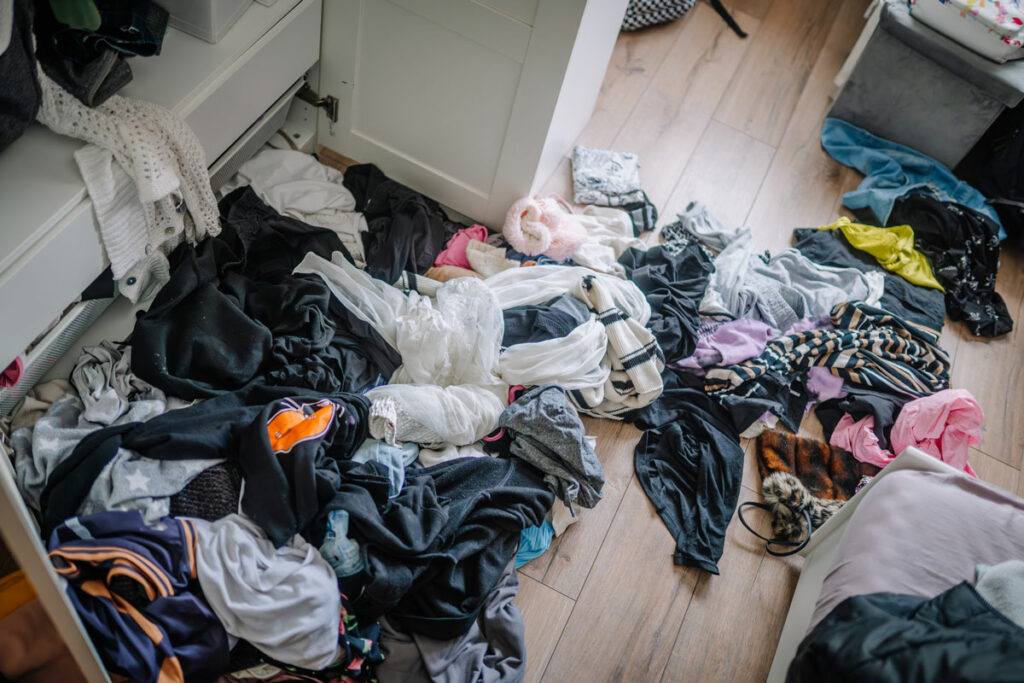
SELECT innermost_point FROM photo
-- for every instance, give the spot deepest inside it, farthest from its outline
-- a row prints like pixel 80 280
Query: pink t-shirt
pixel 454 253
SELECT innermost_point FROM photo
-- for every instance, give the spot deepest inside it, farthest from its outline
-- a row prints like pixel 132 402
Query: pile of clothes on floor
pixel 345 418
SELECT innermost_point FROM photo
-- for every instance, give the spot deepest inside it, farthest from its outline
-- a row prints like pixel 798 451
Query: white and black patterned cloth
pixel 644 13
pixel 678 239
pixel 634 356
pixel 605 178
pixel 868 347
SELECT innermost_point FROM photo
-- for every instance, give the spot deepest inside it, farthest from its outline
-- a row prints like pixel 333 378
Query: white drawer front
pixel 257 80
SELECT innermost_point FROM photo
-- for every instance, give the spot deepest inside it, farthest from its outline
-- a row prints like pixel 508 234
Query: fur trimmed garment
pixel 803 474
pixel 788 498
pixel 827 472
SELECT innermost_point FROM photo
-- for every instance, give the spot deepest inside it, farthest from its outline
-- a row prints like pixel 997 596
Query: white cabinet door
pixel 471 102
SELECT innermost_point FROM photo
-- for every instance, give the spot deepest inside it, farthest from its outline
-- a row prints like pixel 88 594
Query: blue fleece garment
pixel 533 542
pixel 893 171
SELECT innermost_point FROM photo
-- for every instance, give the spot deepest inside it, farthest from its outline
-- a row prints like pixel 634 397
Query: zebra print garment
pixel 868 347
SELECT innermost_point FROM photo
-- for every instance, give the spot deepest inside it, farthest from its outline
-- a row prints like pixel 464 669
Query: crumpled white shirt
pixel 297 185
pixel 609 233
pixel 448 390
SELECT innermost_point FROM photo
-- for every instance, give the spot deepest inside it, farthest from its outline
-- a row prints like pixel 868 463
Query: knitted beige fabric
pixel 162 158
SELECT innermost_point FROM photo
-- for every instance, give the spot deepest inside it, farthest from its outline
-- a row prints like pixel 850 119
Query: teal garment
pixel 533 542
pixel 893 172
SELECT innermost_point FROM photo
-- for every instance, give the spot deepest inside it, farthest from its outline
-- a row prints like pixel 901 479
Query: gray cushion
pixel 1004 82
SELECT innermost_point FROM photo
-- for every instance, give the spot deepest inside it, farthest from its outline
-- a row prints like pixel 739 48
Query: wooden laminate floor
pixel 735 124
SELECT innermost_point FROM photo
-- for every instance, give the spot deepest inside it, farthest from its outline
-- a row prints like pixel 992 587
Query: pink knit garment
pixel 543 225
pixel 944 425
pixel 454 253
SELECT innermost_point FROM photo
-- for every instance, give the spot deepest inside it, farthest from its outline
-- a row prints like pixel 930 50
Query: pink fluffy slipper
pixel 543 225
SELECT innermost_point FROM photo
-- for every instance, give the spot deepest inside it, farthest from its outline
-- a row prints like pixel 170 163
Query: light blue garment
pixel 395 458
pixel 533 542
pixel 893 171
pixel 340 551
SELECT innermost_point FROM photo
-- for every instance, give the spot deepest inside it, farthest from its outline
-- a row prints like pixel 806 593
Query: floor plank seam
pixel 996 457
pixel 558 641
pixel 741 132
pixel 575 601
pixel 650 79
pixel 791 123
pixel 760 187
pixel 767 9
pixel 747 42
pixel 604 538
pixel 686 166
pixel 682 623
pixel 562 593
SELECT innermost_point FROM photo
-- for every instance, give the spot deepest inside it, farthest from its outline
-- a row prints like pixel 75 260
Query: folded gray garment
pixel 702 224
pixel 492 650
pixel 1002 586
pixel 548 434
pixel 605 178
pixel 105 383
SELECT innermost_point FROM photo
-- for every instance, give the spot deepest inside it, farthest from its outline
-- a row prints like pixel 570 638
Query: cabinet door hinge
pixel 328 103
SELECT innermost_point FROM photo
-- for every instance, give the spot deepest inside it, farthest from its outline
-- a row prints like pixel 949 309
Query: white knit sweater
pixel 146 174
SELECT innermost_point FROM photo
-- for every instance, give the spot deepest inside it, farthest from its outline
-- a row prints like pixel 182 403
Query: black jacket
pixel 435 552
pixel 955 636
pixel 405 230
pixel 290 486
pixel 232 314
